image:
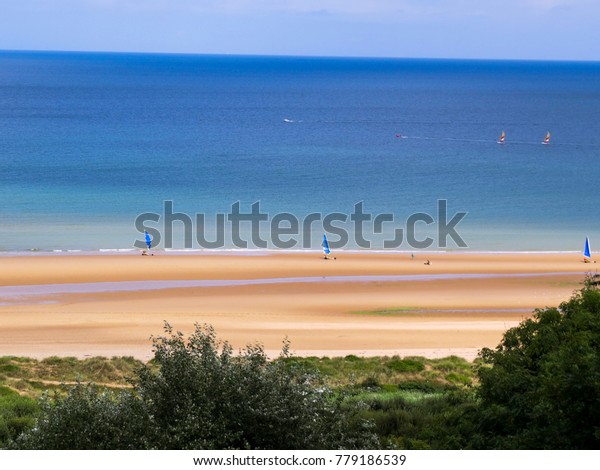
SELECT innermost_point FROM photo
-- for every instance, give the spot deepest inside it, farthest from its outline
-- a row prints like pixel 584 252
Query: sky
pixel 489 29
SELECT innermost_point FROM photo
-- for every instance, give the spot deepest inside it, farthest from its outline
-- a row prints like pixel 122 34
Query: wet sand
pixel 364 304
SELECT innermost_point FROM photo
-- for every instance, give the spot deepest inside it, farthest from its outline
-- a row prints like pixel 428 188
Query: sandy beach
pixel 363 304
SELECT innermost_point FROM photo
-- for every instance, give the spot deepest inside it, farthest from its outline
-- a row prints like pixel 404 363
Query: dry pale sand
pixel 419 316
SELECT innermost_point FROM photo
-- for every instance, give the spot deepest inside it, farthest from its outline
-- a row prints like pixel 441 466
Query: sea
pixel 272 153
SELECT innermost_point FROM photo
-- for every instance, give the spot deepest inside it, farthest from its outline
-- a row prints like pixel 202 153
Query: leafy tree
pixel 88 418
pixel 542 390
pixel 199 395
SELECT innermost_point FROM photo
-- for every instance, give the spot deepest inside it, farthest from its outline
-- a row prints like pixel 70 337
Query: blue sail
pixel 148 240
pixel 325 245
pixel 586 251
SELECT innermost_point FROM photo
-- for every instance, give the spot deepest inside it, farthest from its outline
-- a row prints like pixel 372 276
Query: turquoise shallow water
pixel 90 141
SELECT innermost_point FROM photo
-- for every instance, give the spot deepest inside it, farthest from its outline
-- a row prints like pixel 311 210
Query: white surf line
pixel 19 291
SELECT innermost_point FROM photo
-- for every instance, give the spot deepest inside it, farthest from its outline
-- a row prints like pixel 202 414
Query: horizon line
pixel 298 56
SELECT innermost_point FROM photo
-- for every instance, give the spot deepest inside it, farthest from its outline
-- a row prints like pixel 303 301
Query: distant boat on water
pixel 501 138
pixel 587 254
pixel 546 139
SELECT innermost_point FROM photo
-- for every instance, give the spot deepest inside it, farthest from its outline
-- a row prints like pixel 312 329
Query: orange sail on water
pixel 501 139
pixel 546 139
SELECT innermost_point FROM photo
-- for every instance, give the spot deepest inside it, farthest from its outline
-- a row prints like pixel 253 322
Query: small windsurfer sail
pixel 148 243
pixel 326 250
pixel 587 254
pixel 546 139
pixel 501 138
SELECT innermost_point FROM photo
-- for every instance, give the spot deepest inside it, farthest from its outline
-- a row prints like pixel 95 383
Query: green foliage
pixel 451 364
pixel 8 368
pixel 88 418
pixel 199 395
pixel 351 370
pixel 370 383
pixel 355 379
pixel 32 377
pixel 96 369
pixel 406 365
pixel 7 392
pixel 458 378
pixel 16 415
pixel 414 420
pixel 426 386
pixel 540 388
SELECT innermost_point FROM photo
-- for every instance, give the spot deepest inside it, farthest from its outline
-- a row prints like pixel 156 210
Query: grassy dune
pixel 382 383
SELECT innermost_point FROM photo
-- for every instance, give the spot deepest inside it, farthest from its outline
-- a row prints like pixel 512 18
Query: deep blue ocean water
pixel 88 141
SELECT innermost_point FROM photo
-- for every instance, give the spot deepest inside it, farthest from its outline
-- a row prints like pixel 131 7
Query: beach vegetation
pixel 353 369
pixel 17 414
pixel 419 420
pixel 198 394
pixel 538 389
pixel 370 383
pixel 408 364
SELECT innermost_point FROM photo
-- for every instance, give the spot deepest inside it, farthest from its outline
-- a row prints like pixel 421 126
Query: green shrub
pixel 540 386
pixel 450 364
pixel 17 414
pixel 19 424
pixel 352 358
pixel 5 435
pixel 405 365
pixel 426 386
pixel 457 378
pixel 198 395
pixel 7 392
pixel 9 369
pixel 370 383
